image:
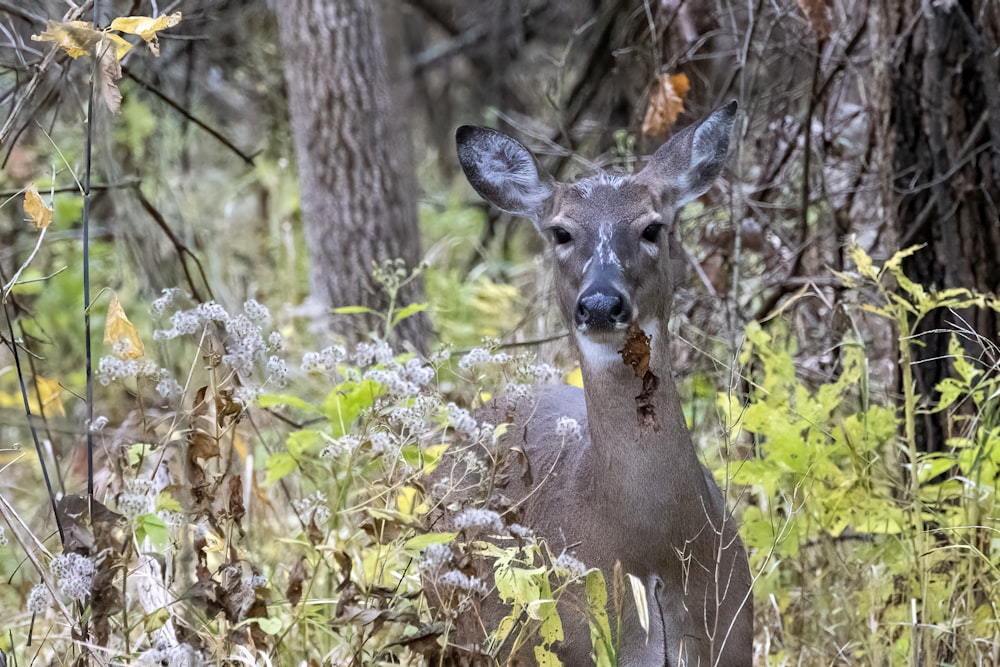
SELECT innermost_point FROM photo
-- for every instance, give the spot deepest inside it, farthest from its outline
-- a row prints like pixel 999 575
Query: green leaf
pixel 420 542
pixel 290 400
pixel 408 311
pixel 269 626
pixel 600 628
pixel 278 465
pixel 343 405
pixel 166 502
pixel 353 310
pixel 153 527
pixel 155 620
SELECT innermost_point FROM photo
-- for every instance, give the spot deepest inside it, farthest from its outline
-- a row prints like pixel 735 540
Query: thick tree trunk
pixel 354 159
pixel 946 117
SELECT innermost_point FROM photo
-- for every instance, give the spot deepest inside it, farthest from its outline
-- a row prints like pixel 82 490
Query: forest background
pixel 836 316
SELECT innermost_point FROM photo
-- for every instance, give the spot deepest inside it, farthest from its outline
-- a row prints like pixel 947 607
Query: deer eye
pixel 652 232
pixel 560 236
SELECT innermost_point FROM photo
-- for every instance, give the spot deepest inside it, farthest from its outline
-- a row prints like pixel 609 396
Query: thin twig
pixel 248 159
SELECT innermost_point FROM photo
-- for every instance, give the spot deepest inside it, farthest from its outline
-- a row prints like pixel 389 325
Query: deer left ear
pixel 502 171
pixel 691 160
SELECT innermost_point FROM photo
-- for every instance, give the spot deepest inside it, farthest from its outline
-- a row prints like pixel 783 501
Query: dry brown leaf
pixel 666 103
pixel 815 11
pixel 108 74
pixel 40 214
pixel 635 353
pixel 121 334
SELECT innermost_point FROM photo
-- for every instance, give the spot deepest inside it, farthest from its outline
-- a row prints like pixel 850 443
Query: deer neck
pixel 640 444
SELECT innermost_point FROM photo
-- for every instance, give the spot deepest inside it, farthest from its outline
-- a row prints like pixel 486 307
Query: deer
pixel 631 489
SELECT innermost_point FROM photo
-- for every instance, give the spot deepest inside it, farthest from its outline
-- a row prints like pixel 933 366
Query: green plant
pixel 862 543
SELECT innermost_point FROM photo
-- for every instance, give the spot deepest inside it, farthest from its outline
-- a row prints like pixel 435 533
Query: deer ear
pixel 687 165
pixel 502 171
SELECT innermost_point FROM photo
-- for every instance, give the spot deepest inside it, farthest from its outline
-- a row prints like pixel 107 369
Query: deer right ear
pixel 502 171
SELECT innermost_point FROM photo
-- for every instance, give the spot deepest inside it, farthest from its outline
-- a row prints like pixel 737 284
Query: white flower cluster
pixel 246 345
pixel 166 299
pixel 138 497
pixel 478 520
pixel 519 531
pixel 98 424
pixel 477 356
pixel 462 421
pixel 344 445
pixel 313 508
pixel 569 567
pixel 3 537
pixel 368 354
pixel 39 599
pixel 111 369
pixel 324 361
pixel 461 581
pixel 568 428
pixel 74 575
pixel 384 442
pixel 434 558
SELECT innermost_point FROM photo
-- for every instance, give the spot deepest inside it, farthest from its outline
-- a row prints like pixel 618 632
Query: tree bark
pixel 946 118
pixel 354 160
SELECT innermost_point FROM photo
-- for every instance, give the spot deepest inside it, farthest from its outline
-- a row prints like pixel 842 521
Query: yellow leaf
pixel 121 334
pixel 36 208
pixel 76 38
pixel 121 46
pixel 146 27
pixel 666 103
pixel 50 393
pixel 574 378
pixel 409 502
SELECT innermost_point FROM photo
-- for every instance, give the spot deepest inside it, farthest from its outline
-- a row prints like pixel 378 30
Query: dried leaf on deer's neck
pixel 666 103
pixel 815 11
pixel 635 352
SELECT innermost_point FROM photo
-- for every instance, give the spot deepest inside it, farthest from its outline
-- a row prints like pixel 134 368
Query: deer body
pixel 630 489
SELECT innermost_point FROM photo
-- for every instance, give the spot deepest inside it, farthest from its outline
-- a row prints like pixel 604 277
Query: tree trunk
pixel 354 160
pixel 946 117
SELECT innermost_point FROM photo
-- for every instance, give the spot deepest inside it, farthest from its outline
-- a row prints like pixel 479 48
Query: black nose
pixel 602 310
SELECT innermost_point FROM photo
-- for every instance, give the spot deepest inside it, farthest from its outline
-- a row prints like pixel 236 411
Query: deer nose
pixel 603 309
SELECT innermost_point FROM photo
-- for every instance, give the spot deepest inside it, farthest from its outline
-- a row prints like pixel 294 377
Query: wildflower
pixel 277 369
pixel 166 298
pixel 475 357
pixel 462 421
pixel 167 387
pixel 74 574
pixel 256 312
pixel 98 424
pixel 324 361
pixel 459 580
pixel 569 428
pixel 434 557
pixel 477 519
pixel 519 531
pixel 39 599
pixel 210 311
pixel 569 566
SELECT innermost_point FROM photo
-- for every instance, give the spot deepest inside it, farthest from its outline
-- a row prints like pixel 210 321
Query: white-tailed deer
pixel 631 489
